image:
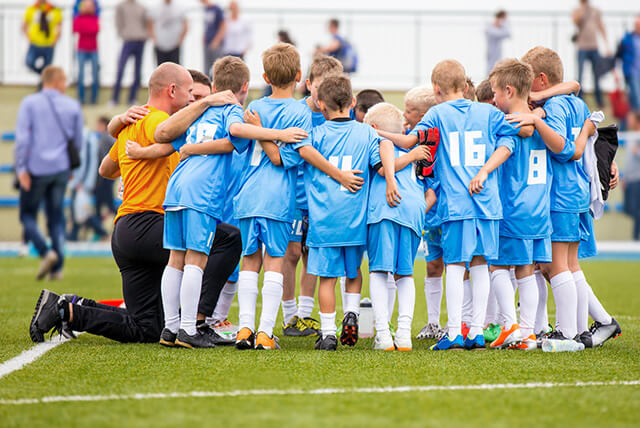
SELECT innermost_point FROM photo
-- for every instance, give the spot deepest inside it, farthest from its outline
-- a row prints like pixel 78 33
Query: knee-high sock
pixel 564 294
pixel 328 324
pixel 221 312
pixel 528 304
pixel 343 291
pixel 406 304
pixel 492 307
pixel 454 295
pixel 582 307
pixel 501 283
pixel 352 302
pixel 305 306
pixel 170 290
pixel 391 294
pixel 433 295
pixel 271 297
pixel 247 299
pixel 190 297
pixel 514 280
pixel 596 310
pixel 467 302
pixel 480 278
pixel 379 300
pixel 542 317
pixel 289 310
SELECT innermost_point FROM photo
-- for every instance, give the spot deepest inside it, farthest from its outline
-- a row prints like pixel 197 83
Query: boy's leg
pixel 433 290
pixel 501 284
pixel 170 287
pixel 271 293
pixel 248 277
pixel 582 292
pixel 542 316
pixel 406 305
pixel 307 290
pixel 194 263
pixel 528 293
pixel 563 289
pixel 479 273
pixel 467 301
pixel 289 265
pixel 378 293
pixel 454 293
pixel 327 301
pixel 392 288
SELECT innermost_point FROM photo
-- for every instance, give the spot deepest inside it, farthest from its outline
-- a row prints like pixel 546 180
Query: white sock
pixel 492 307
pixel 221 312
pixel 467 302
pixel 406 304
pixel 328 324
pixel 480 277
pixel 433 295
pixel 501 283
pixel 170 290
pixel 513 279
pixel 564 294
pixel 343 288
pixel 528 291
pixel 247 299
pixel 353 302
pixel 582 307
pixel 596 310
pixel 189 298
pixel 271 297
pixel 391 294
pixel 305 306
pixel 542 317
pixel 378 293
pixel 454 295
pixel 289 310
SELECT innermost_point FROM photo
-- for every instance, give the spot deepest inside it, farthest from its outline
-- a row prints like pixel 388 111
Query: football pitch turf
pixel 96 382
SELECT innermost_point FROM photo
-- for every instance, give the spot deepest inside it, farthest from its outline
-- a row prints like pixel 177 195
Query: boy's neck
pixel 312 105
pixel 281 93
pixel 453 96
pixel 337 114
pixel 518 105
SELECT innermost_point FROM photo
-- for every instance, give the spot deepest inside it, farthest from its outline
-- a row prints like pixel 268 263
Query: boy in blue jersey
pixel 469 135
pixel 337 217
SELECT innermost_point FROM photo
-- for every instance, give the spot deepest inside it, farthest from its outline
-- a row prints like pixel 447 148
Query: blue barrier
pixel 6 168
pixel 8 136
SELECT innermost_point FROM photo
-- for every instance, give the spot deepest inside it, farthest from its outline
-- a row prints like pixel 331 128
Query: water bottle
pixel 365 321
pixel 554 345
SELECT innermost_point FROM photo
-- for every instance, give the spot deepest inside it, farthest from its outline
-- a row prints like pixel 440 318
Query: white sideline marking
pixel 331 391
pixel 30 355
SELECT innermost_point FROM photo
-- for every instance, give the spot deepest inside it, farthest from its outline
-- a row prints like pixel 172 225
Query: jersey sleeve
pixel 499 125
pixel 374 149
pixel 113 151
pixel 151 123
pixel 234 115
pixel 179 142
pixel 508 142
pixel 556 118
pixel 567 152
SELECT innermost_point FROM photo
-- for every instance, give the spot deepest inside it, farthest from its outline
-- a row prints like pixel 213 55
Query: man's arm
pixel 23 142
pixel 109 169
pixel 154 151
pixel 588 130
pixel 497 158
pixel 400 140
pixel 348 179
pixel 132 115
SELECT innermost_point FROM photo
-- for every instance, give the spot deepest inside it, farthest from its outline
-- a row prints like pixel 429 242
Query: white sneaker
pixel 383 343
pixel 403 342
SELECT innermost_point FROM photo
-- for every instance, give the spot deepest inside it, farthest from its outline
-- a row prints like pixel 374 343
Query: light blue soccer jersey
pixel 199 182
pixel 239 162
pixel 337 217
pixel 317 118
pixel 267 190
pixel 525 184
pixel 570 186
pixel 410 210
pixel 431 219
pixel 468 137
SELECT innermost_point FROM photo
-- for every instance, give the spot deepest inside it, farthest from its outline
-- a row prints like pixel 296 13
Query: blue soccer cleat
pixel 475 344
pixel 446 344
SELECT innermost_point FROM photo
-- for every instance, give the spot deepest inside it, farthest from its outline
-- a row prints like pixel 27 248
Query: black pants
pixel 136 244
pixel 172 55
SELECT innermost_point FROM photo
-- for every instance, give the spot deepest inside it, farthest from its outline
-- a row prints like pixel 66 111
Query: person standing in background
pixel 589 23
pixel 87 25
pixel 41 25
pixel 631 178
pixel 214 29
pixel 48 121
pixel 167 28
pixel 237 36
pixel 496 32
pixel 104 186
pixel 131 24
pixel 629 52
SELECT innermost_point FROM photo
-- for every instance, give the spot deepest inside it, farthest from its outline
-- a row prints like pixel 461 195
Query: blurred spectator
pixel 41 25
pixel 496 32
pixel 87 25
pixel 339 48
pixel 131 24
pixel 104 186
pixel 631 175
pixel 283 37
pixel 167 28
pixel 48 123
pixel 213 34
pixel 237 36
pixel 589 22
pixel 76 7
pixel 629 52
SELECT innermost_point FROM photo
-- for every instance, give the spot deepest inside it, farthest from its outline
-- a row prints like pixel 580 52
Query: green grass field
pixel 91 366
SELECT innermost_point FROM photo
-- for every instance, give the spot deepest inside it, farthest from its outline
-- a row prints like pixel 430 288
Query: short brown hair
pixel 449 75
pixel 547 61
pixel 324 65
pixel 336 93
pixel 367 98
pixel 514 73
pixel 471 90
pixel 421 98
pixel 231 73
pixel 51 74
pixel 484 93
pixel 200 77
pixel 281 64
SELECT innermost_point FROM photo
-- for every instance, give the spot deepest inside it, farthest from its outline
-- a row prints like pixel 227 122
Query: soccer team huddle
pixel 497 191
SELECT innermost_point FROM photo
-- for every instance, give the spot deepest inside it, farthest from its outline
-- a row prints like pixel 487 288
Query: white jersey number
pixel 257 154
pixel 345 165
pixel 537 167
pixel 474 154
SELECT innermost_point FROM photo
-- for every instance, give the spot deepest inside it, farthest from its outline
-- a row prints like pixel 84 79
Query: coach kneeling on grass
pixel 137 238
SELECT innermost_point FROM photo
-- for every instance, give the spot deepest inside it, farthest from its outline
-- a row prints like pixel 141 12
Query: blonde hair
pixel 324 65
pixel 449 75
pixel 547 61
pixel 230 73
pixel 385 116
pixel 281 63
pixel 421 97
pixel 514 73
pixel 484 93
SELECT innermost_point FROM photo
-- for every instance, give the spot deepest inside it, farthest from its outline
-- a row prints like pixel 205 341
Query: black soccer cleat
pixel 198 340
pixel 46 316
pixel 349 334
pixel 585 338
pixel 603 332
pixel 215 338
pixel 167 338
pixel 327 343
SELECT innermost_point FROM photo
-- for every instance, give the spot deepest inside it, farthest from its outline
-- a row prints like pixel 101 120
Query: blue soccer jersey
pixel 337 217
pixel 317 118
pixel 268 190
pixel 239 162
pixel 200 182
pixel 525 185
pixel 570 186
pixel 431 218
pixel 410 211
pixel 468 137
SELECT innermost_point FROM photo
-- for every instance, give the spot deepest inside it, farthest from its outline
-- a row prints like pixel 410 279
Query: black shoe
pixel 327 343
pixel 65 330
pixel 603 332
pixel 168 338
pixel 46 316
pixel 557 335
pixel 584 338
pixel 198 340
pixel 215 338
pixel 349 334
pixel 73 299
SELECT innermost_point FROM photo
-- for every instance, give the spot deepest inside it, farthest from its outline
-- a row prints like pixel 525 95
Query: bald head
pixel 172 84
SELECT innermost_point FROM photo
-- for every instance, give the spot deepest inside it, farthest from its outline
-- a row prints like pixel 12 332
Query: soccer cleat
pixel 529 343
pixel 216 338
pixel 298 327
pixel 65 330
pixel 168 338
pixel 383 343
pixel 349 333
pixel 491 332
pixel 403 342
pixel 475 344
pixel 313 325
pixel 197 340
pixel 585 338
pixel 557 342
pixel 445 344
pixel 507 337
pixel 73 299
pixel 245 338
pixel 46 315
pixel 431 331
pixel 600 333
pixel 48 262
pixel 264 342
pixel 464 329
pixel 225 329
pixel 327 343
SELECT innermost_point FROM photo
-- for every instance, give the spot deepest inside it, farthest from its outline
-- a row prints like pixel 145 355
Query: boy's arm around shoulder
pixel 348 179
pixel 154 151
